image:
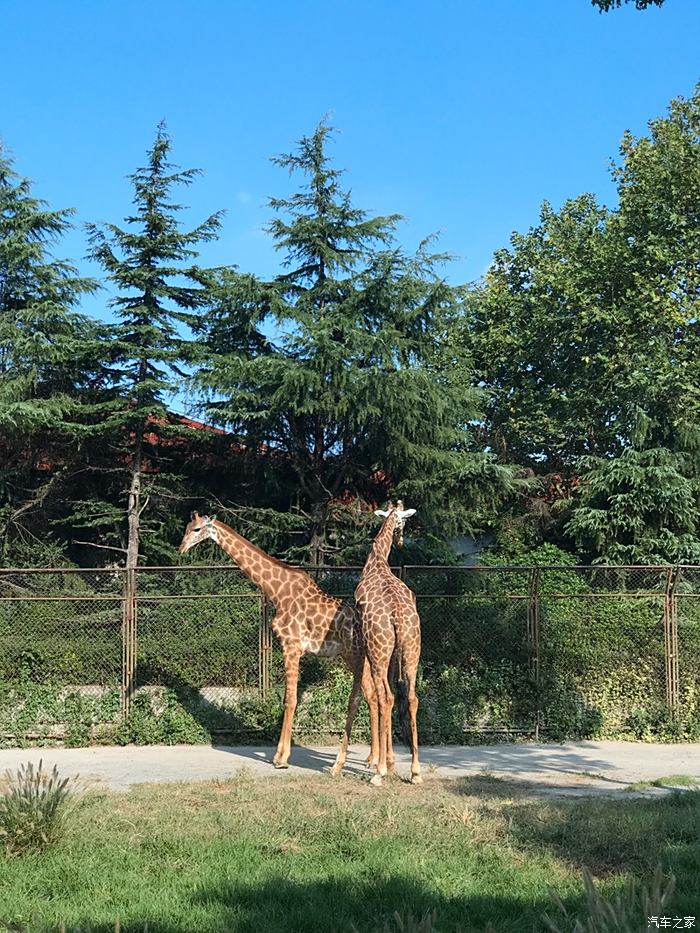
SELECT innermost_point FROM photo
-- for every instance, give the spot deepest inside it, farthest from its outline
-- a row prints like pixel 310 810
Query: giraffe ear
pixel 381 513
pixel 407 514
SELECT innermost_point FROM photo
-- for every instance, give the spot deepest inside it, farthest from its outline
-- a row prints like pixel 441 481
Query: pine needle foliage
pixel 161 291
pixel 334 363
pixel 42 338
pixel 50 368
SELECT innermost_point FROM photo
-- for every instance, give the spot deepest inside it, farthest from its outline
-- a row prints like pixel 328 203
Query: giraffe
pixel 391 628
pixel 306 621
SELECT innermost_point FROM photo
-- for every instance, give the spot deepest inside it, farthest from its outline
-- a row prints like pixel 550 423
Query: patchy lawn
pixel 254 855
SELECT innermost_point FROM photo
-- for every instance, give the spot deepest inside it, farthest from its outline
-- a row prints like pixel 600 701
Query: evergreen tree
pixel 161 292
pixel 335 365
pixel 49 362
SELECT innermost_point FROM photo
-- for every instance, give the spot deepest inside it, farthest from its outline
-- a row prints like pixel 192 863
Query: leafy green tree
pixel 543 334
pixel 651 494
pixel 335 365
pixel 161 292
pixel 49 361
pixel 585 332
pixel 605 5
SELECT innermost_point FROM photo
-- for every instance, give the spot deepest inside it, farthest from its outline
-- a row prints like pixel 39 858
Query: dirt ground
pixel 568 769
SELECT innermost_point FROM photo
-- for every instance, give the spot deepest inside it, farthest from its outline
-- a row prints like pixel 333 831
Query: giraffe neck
pixel 267 573
pixel 381 546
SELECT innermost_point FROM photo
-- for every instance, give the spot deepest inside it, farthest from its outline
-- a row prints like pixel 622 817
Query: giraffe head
pixel 401 516
pixel 199 528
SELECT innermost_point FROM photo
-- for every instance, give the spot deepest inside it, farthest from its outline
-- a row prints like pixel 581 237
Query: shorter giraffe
pixel 306 621
pixel 391 628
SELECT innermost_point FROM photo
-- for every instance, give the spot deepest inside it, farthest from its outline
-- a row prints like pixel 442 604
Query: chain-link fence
pixel 550 652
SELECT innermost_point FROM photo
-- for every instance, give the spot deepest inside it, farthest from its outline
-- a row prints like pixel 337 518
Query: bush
pixel 33 809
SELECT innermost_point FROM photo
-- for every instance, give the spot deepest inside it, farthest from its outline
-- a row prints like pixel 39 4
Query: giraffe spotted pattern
pixel 391 630
pixel 307 621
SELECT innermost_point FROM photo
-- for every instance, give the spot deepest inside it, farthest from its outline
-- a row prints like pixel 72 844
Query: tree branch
pixel 105 547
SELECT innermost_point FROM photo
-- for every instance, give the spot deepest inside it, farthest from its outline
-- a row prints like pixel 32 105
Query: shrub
pixel 33 809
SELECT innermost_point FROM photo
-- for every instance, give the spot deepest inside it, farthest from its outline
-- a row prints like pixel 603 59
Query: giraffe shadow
pixel 256 721
pixel 252 720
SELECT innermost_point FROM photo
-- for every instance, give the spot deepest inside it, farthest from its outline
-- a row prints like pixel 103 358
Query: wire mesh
pixel 560 652
pixel 602 665
pixel 61 626
pixel 476 670
pixel 60 651
pixel 197 626
pixel 686 599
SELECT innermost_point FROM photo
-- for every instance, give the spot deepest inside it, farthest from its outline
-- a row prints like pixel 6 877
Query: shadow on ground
pixel 361 905
pixel 516 763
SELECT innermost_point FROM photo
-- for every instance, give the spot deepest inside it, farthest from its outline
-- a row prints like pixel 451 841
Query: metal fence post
pixel 533 639
pixel 671 640
pixel 129 614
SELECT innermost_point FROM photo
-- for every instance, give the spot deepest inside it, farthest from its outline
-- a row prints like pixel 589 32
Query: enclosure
pixel 187 653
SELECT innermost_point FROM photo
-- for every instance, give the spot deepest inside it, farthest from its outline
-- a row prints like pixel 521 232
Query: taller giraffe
pixel 391 627
pixel 306 621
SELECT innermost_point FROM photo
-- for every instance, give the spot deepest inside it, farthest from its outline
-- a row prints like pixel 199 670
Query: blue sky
pixel 463 116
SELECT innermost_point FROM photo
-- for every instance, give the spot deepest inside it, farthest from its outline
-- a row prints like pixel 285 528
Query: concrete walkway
pixel 573 768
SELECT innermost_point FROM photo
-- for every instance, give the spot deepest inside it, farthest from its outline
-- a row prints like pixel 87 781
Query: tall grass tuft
pixel 627 913
pixel 32 809
pixel 408 923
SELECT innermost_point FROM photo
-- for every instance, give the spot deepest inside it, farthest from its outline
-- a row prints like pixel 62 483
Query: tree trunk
pixel 319 514
pixel 133 511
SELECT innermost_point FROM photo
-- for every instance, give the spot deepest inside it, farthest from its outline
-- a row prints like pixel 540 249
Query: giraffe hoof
pixel 416 779
pixel 376 780
pixel 280 765
pixel 335 771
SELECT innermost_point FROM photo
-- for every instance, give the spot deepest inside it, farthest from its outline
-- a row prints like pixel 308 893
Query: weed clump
pixel 626 913
pixel 32 809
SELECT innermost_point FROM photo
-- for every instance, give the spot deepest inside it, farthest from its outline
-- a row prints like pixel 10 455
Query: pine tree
pixel 161 291
pixel 49 362
pixel 335 365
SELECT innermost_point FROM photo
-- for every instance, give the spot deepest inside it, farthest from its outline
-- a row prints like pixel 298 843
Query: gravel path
pixel 572 768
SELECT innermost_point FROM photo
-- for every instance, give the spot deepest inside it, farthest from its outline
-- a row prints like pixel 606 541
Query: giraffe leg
pixel 390 757
pixel 353 703
pixel 371 697
pixel 291 675
pixel 416 777
pixel 386 702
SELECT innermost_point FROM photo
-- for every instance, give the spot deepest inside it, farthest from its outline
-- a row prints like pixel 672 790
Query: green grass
pixel 673 780
pixel 317 854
